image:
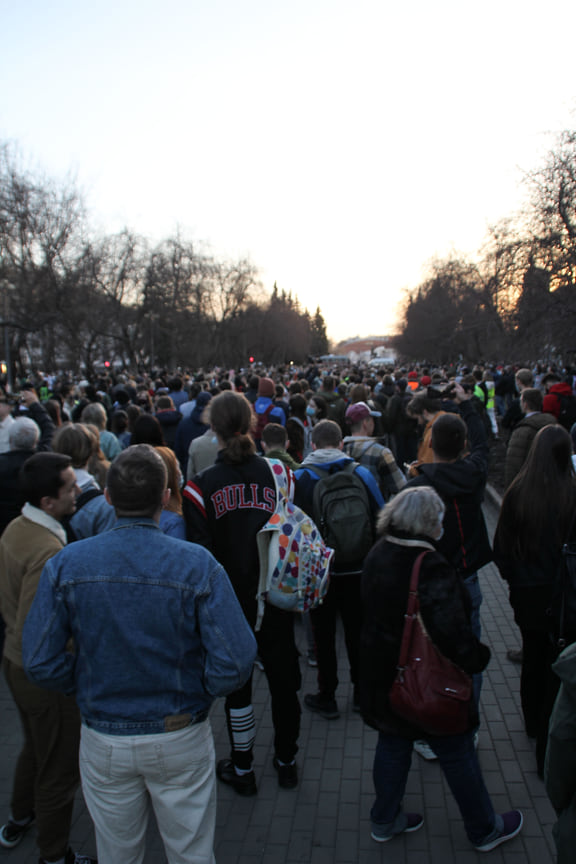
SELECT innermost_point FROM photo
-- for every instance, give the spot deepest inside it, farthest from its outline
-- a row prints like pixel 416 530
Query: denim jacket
pixel 157 630
pixel 95 517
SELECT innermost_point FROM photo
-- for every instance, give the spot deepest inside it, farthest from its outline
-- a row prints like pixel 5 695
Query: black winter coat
pixel 445 611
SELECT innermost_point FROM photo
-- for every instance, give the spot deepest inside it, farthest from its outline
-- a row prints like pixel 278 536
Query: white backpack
pixel 294 560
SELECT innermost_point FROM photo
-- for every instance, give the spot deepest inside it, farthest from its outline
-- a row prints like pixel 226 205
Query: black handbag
pixel 429 691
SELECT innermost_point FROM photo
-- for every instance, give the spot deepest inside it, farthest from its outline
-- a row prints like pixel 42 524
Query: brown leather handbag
pixel 429 691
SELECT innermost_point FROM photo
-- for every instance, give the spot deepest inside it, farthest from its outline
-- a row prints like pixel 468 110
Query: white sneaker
pixel 423 749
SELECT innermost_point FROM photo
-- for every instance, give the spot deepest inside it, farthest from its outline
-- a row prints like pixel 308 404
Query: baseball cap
pixel 359 411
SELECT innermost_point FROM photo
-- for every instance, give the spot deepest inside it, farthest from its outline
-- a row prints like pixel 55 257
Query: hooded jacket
pixel 461 485
pixel 169 418
pixel 332 460
pixel 551 402
pixel 275 414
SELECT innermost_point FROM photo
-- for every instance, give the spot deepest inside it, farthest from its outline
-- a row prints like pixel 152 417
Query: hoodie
pixel 334 460
pixel 551 403
pixel 275 415
pixel 461 486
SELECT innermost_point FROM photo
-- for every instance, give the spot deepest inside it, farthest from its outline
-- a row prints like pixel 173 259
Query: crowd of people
pixel 130 508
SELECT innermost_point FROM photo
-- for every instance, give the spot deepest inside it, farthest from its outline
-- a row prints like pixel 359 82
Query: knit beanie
pixel 266 387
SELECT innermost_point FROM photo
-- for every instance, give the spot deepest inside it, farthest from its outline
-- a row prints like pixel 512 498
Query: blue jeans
pixel 459 762
pixel 472 584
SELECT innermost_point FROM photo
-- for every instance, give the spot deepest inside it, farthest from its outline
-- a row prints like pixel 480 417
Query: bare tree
pixel 41 226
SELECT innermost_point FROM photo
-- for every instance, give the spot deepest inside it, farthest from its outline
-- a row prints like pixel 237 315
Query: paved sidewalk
pixel 326 819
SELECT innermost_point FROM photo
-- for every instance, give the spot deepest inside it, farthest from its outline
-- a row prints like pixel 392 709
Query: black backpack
pixel 567 415
pixel 342 512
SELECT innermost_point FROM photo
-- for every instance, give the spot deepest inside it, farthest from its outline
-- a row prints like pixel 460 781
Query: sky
pixel 338 146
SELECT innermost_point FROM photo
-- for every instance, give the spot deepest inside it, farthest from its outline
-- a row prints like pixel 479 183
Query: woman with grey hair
pixel 409 525
pixel 95 415
pixel 418 515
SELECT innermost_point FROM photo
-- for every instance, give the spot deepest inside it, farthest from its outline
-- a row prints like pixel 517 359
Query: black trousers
pixel 538 687
pixel 343 598
pixel 279 655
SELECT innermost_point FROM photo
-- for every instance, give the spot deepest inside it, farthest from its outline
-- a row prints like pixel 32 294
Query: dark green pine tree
pixel 319 340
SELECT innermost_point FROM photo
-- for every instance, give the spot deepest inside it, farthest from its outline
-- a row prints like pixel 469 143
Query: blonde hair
pixel 173 482
pixel 98 465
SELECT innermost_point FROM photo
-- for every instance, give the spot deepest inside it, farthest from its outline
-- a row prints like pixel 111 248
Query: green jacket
pixel 284 457
pixel 560 769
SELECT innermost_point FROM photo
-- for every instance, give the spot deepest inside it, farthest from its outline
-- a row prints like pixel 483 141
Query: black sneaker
pixel 287 774
pixel 74 858
pixel 11 833
pixel 318 703
pixel 511 826
pixel 243 784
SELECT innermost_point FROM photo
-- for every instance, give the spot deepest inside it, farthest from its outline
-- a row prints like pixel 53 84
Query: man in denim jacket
pixel 157 634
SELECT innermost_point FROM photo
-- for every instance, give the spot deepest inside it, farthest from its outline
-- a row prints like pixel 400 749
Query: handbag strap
pixel 412 610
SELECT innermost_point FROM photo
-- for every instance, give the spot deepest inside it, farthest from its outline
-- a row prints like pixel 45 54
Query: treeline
pixel 73 299
pixel 517 299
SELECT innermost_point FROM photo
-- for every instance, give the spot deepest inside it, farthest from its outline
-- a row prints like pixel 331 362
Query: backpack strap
pixel 282 480
pixel 349 468
pixel 82 499
pixel 87 496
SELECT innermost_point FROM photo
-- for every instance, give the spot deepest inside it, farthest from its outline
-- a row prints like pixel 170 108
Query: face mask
pixel 310 411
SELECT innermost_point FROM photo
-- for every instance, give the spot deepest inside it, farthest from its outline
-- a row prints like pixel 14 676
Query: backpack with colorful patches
pixel 294 560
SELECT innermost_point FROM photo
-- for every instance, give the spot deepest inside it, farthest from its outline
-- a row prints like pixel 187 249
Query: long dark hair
pixel 232 419
pixel 541 500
